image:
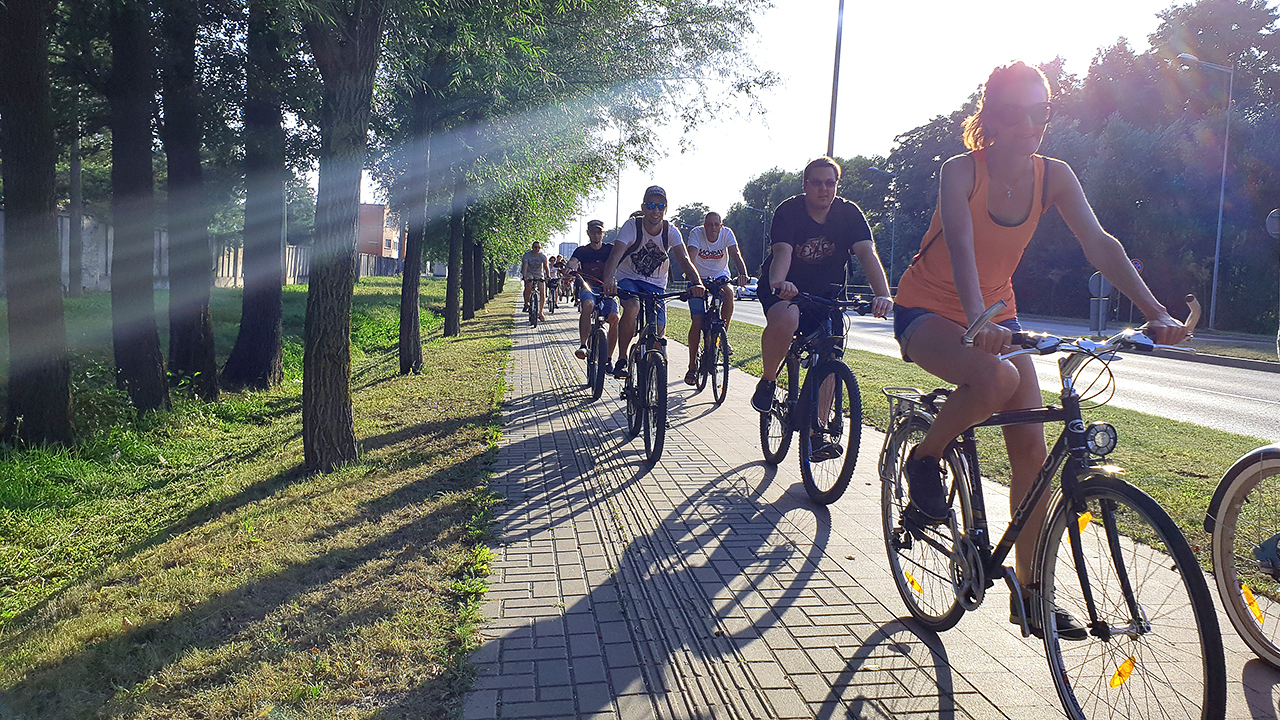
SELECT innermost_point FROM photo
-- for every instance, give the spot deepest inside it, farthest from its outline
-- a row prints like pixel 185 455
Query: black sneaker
pixel 824 449
pixel 1068 627
pixel 762 400
pixel 928 496
pixel 620 370
pixel 581 353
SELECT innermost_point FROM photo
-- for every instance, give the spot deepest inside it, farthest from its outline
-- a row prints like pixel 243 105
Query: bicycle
pixel 713 353
pixel 645 390
pixel 826 410
pixel 1244 521
pixel 535 302
pixel 597 346
pixel 553 291
pixel 1153 643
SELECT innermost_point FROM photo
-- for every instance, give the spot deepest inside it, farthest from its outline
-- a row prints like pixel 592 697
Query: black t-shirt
pixel 593 261
pixel 819 251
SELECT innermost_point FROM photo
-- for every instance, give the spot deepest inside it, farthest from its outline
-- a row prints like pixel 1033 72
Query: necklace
pixel 1008 189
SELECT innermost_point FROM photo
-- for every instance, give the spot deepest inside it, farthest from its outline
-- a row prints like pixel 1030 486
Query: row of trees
pixel 489 123
pixel 1145 134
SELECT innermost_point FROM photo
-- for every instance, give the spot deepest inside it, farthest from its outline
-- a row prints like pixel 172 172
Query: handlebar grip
pixel 972 331
pixel 1193 317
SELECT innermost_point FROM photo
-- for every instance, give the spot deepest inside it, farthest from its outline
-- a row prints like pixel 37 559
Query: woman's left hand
pixel 881 305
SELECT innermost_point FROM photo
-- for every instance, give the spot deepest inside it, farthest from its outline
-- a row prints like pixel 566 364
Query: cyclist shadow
pixel 1261 689
pixel 897 671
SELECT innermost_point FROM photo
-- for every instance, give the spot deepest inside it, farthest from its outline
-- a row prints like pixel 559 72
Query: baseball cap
pixel 595 224
pixel 655 190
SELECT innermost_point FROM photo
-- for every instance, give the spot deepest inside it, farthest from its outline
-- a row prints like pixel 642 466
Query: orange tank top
pixel 928 282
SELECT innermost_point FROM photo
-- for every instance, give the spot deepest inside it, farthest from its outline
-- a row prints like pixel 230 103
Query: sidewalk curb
pixel 1221 360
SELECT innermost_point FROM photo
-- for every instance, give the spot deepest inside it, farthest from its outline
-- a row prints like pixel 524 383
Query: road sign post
pixel 1099 303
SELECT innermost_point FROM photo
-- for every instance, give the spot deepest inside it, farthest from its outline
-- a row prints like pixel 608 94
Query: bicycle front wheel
pixel 1245 537
pixel 775 425
pixel 1155 650
pixel 597 362
pixel 706 357
pixel 631 391
pixel 655 405
pixel 535 305
pixel 920 555
pixel 720 367
pixel 830 430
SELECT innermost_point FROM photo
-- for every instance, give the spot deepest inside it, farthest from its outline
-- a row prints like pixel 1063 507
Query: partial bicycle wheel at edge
pixel 705 358
pixel 1166 662
pixel 654 405
pixel 830 426
pixel 632 389
pixel 920 557
pixel 599 358
pixel 720 367
pixel 1244 547
pixel 775 425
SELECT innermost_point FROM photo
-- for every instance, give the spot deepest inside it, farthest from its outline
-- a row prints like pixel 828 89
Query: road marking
pixel 1242 397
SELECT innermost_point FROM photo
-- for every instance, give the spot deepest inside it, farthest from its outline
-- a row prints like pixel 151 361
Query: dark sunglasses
pixel 655 206
pixel 1010 114
pixel 821 183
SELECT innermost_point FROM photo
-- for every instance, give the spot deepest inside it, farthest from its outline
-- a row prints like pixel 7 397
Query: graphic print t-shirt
pixel 593 262
pixel 819 251
pixel 649 262
pixel 710 257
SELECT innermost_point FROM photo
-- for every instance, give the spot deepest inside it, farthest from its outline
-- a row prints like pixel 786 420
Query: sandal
pixel 691 377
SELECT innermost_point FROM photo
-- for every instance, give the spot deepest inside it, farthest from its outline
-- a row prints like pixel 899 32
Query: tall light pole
pixel 1222 188
pixel 764 232
pixel 1273 229
pixel 835 84
pixel 893 218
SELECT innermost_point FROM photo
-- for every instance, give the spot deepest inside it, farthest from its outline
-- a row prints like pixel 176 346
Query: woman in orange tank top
pixel 989 203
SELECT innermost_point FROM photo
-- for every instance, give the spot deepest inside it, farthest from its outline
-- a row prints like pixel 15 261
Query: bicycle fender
pixel 1266 455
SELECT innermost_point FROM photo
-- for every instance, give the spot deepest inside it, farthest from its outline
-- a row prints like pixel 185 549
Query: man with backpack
pixel 639 263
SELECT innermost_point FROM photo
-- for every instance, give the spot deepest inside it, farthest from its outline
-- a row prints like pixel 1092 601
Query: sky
pixel 902 64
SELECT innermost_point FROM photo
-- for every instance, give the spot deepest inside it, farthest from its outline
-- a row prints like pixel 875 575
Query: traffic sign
pixel 1273 223
pixel 1099 286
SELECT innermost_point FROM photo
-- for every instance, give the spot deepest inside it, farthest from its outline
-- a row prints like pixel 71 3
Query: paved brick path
pixel 709 587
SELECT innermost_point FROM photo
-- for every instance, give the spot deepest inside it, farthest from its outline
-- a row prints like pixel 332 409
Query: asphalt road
pixel 1241 401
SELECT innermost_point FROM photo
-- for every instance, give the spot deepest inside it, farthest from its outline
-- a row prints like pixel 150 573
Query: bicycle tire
pixel 535 306
pixel 825 480
pixel 1169 660
pixel 705 358
pixel 655 405
pixel 720 367
pixel 775 425
pixel 597 357
pixel 631 390
pixel 920 557
pixel 1248 520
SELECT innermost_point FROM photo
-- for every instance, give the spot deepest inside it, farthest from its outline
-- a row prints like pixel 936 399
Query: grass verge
pixel 183 565
pixel 1177 463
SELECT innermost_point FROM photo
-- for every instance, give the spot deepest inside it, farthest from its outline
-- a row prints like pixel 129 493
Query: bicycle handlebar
pixel 858 305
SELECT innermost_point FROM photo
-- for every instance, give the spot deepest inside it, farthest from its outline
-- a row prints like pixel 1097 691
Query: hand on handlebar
pixel 994 339
pixel 881 305
pixel 610 286
pixel 742 281
pixel 785 290
pixel 698 290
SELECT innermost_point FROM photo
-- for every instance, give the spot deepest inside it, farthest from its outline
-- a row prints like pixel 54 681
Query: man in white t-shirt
pixel 711 245
pixel 640 263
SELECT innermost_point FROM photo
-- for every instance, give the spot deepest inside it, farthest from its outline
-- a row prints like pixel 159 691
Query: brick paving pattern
pixel 708 586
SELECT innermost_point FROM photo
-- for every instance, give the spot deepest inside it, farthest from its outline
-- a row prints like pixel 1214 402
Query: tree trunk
pixel 135 340
pixel 346 51
pixel 75 238
pixel 256 360
pixel 453 286
pixel 410 286
pixel 469 287
pixel 482 295
pixel 191 352
pixel 39 385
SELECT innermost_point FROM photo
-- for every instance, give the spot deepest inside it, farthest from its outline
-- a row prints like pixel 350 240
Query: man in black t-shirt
pixel 589 261
pixel 814 234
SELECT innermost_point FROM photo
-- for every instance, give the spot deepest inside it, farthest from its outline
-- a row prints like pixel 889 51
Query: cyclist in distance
pixel 640 263
pixel 990 200
pixel 534 269
pixel 814 234
pixel 589 261
pixel 711 245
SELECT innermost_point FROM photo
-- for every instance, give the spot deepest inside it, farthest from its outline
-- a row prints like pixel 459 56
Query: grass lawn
pixel 1177 463
pixel 183 565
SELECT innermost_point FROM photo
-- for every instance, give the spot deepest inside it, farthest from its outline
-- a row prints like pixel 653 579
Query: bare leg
pixel 780 326
pixel 695 333
pixel 627 328
pixel 726 305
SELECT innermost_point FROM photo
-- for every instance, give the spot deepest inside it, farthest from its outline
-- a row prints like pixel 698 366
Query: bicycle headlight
pixel 1101 438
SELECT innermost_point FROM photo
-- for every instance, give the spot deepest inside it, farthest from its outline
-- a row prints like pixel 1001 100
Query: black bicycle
pixel 1107 553
pixel 645 390
pixel 826 410
pixel 553 294
pixel 597 345
pixel 713 351
pixel 535 302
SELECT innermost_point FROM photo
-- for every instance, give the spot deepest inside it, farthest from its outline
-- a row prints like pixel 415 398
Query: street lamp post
pixel 1222 188
pixel 893 219
pixel 835 83
pixel 764 232
pixel 1273 229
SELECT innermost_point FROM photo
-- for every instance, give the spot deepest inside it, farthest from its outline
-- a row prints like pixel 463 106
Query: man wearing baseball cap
pixel 589 261
pixel 640 263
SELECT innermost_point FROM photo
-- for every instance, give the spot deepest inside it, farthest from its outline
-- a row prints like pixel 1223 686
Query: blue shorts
pixel 698 305
pixel 637 286
pixel 906 320
pixel 605 305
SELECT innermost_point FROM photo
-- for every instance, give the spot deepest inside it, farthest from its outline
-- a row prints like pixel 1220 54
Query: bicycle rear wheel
pixel 1245 537
pixel 705 357
pixel 920 556
pixel 775 425
pixel 631 392
pixel 655 405
pixel 829 438
pixel 535 307
pixel 597 362
pixel 720 367
pixel 1155 651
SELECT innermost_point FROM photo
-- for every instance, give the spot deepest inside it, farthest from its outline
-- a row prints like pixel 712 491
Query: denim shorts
pixel 698 305
pixel 605 305
pixel 640 286
pixel 906 320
